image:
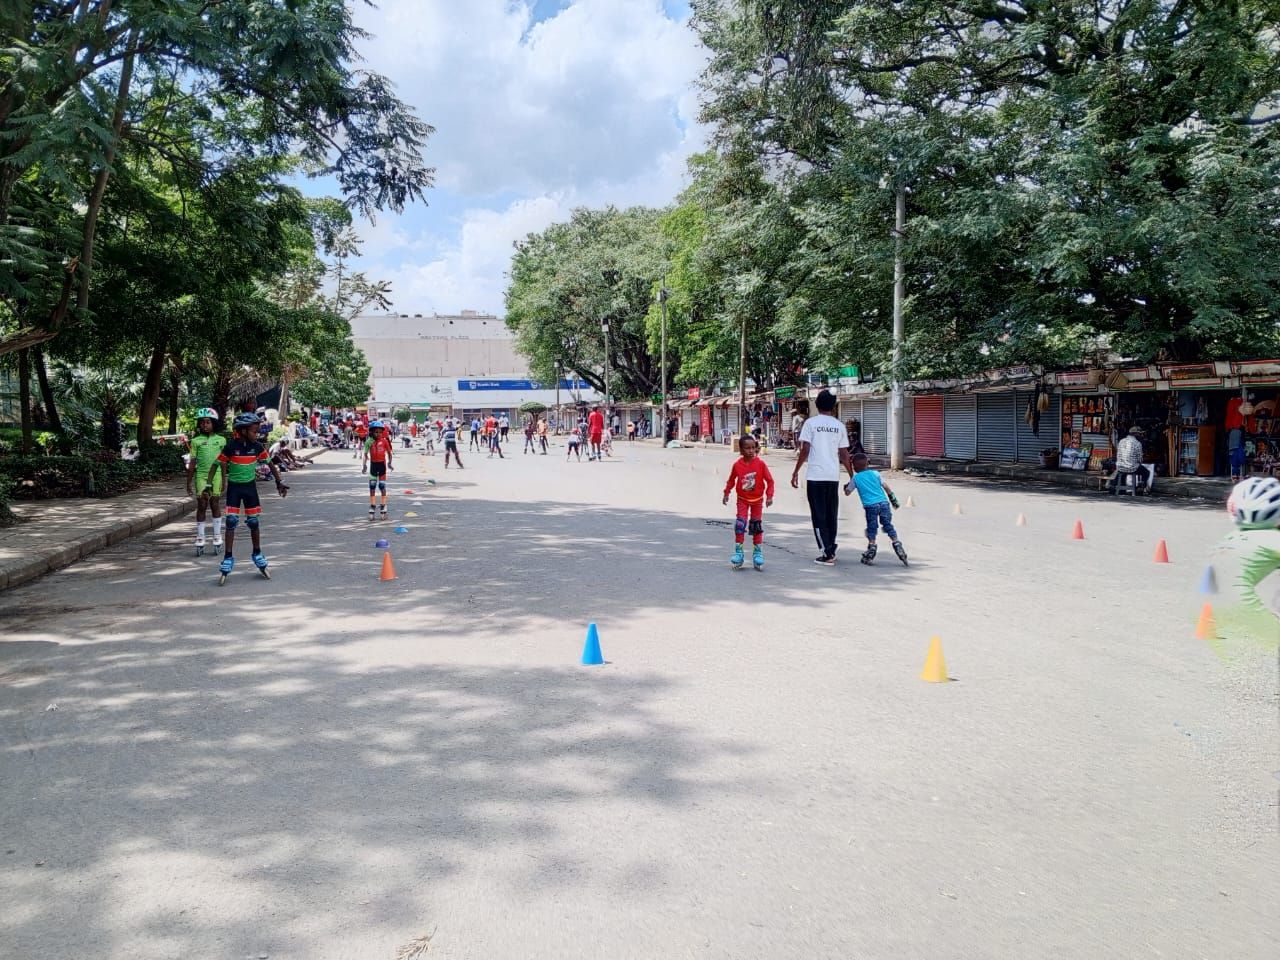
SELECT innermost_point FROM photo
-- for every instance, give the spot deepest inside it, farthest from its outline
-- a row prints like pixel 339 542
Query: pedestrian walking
pixel 542 436
pixel 824 446
pixel 475 434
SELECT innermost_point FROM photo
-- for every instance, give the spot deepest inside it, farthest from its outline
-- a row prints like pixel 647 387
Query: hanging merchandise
pixel 1039 401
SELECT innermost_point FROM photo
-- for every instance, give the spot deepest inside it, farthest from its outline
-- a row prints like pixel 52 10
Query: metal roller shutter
pixel 1029 445
pixel 928 423
pixel 960 428
pixel 997 427
pixel 908 427
pixel 875 426
pixel 849 410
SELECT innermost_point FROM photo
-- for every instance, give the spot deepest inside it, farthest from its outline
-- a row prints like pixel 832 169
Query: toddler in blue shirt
pixel 876 499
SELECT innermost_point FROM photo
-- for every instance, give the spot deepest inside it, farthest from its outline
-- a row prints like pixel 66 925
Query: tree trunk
pixel 175 383
pixel 24 399
pixel 46 392
pixel 222 393
pixel 104 173
pixel 150 401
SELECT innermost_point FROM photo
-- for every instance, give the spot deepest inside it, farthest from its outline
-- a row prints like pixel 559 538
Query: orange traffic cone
pixel 388 569
pixel 935 667
pixel 1162 552
pixel 1078 532
pixel 1206 629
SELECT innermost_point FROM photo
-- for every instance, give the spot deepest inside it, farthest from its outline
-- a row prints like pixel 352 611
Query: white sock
pixel 200 529
pixel 217 528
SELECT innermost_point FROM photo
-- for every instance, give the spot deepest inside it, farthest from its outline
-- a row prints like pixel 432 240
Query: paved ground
pixel 327 767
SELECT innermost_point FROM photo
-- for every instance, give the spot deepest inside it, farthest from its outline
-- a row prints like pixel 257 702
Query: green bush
pixel 101 474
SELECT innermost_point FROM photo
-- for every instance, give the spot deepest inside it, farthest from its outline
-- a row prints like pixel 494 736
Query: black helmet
pixel 246 420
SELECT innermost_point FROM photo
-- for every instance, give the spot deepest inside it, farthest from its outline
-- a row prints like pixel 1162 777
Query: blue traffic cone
pixel 591 655
pixel 1209 582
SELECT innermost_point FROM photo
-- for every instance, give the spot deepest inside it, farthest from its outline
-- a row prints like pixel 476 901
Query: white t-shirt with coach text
pixel 826 436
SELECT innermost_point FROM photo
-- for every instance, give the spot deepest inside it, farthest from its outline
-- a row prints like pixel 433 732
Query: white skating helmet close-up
pixel 1255 503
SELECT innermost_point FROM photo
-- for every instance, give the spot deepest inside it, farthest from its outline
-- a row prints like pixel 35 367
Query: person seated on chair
pixel 1128 459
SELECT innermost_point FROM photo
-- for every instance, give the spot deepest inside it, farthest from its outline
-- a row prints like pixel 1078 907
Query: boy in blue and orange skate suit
pixel 876 498
pixel 240 458
pixel 751 476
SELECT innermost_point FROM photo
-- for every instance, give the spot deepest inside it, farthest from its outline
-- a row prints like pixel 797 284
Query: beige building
pixel 468 344
pixel 465 362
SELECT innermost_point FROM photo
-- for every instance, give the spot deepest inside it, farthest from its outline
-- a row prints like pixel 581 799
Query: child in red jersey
pixel 754 483
pixel 377 460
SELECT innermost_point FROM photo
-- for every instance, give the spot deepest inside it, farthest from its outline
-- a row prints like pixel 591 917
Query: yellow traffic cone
pixel 935 667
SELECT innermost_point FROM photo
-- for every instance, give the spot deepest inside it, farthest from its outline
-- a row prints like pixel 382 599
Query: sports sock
pixel 217 528
pixel 200 529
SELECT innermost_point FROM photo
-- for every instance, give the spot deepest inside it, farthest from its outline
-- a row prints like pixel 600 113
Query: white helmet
pixel 1255 503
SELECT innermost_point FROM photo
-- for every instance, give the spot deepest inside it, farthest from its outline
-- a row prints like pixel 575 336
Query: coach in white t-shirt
pixel 824 446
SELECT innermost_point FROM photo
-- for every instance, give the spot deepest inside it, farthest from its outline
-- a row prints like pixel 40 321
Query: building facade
pixel 466 364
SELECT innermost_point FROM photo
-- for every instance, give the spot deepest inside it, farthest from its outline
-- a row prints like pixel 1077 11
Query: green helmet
pixel 207 413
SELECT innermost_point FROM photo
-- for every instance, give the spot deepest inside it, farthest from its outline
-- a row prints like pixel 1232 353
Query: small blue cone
pixel 402 530
pixel 1209 582
pixel 382 544
pixel 591 655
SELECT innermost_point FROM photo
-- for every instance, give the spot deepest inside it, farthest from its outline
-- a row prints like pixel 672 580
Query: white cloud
pixel 592 95
pixel 594 105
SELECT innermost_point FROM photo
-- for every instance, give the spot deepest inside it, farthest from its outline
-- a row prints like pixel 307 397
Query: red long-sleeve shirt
pixel 752 479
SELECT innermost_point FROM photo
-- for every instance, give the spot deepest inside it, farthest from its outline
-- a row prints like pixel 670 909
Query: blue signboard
pixel 517 385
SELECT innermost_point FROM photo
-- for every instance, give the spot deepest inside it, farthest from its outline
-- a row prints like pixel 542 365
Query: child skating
pixel 876 498
pixel 574 446
pixel 205 447
pixel 239 458
pixel 377 461
pixel 753 480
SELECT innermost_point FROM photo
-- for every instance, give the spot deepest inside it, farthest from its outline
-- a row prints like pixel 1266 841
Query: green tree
pixel 1081 173
pixel 79 81
pixel 566 281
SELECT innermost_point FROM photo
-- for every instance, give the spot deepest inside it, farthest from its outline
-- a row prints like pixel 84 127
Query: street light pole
pixel 896 419
pixel 558 396
pixel 604 325
pixel 742 379
pixel 663 293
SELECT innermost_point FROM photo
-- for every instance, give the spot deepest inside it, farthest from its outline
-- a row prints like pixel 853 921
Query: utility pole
pixel 663 293
pixel 896 458
pixel 604 325
pixel 558 368
pixel 742 379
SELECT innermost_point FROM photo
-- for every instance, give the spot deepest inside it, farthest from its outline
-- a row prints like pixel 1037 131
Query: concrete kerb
pixel 63 554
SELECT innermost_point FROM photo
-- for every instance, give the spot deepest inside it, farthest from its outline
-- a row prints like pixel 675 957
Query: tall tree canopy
pixel 1080 170
pixel 82 82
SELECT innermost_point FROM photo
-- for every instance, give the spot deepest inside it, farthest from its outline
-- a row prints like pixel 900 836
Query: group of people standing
pixel 824 451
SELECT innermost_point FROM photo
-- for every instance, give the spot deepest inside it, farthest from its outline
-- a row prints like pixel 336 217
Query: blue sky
pixel 540 106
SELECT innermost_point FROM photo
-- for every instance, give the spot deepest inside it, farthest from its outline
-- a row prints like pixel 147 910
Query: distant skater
pixel 876 497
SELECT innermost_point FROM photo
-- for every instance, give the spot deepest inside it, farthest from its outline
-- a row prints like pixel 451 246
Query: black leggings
pixel 824 509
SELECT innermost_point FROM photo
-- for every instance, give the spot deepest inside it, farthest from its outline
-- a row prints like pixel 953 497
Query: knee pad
pixel 251 522
pixel 382 486
pixel 233 520
pixel 756 527
pixel 740 525
pixel 373 485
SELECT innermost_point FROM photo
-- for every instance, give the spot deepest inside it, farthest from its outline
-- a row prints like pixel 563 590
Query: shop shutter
pixel 960 428
pixel 997 427
pixel 908 427
pixel 849 410
pixel 732 418
pixel 1029 445
pixel 875 426
pixel 928 426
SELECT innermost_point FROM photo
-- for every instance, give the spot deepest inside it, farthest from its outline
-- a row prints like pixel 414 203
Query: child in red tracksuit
pixel 755 487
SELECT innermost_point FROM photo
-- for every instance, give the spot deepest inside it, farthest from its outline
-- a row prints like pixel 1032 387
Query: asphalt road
pixel 324 766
